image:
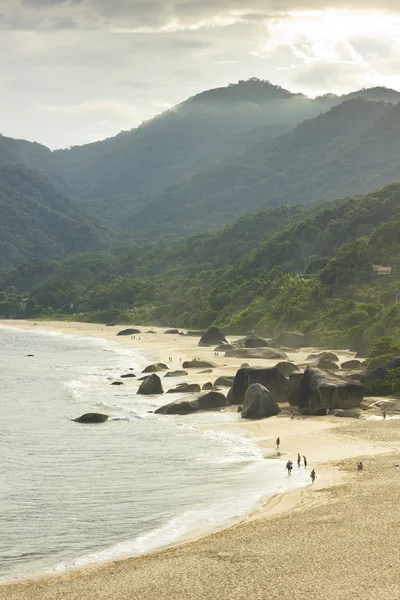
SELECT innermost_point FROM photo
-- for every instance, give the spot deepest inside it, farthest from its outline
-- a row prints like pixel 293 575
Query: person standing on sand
pixel 289 466
pixel 384 413
pixel 305 461
pixel 313 475
pixel 298 460
pixel 291 415
pixel 278 442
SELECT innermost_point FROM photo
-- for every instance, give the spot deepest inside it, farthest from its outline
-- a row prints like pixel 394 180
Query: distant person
pixel 313 475
pixel 291 415
pixel 305 461
pixel 384 413
pixel 327 411
pixel 289 466
pixel 298 460
pixel 278 442
pixel 360 466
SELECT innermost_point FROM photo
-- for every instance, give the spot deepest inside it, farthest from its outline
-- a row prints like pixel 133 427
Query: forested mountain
pixel 315 275
pixel 37 221
pixel 352 148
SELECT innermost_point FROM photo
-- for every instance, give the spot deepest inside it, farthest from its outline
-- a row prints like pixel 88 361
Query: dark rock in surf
pixel 92 418
pixel 128 376
pixel 198 364
pixel 185 388
pixel 176 374
pixel 117 383
pixel 208 401
pixel 271 378
pixel 155 368
pixel 151 386
pixel 212 337
pixel 259 403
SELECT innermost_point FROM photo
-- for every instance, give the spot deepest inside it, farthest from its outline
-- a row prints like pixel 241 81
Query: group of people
pixel 289 464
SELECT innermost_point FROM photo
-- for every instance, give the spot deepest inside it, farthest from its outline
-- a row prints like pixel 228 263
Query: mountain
pixel 38 221
pixel 350 149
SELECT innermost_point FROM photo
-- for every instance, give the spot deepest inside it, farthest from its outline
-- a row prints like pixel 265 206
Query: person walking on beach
pixel 384 413
pixel 313 475
pixel 289 466
pixel 278 442
pixel 360 466
pixel 298 460
pixel 291 415
pixel 305 461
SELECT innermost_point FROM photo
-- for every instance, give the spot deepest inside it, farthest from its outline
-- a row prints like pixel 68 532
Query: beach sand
pixel 336 539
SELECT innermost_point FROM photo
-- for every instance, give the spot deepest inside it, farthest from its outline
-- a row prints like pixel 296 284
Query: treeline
pixel 287 268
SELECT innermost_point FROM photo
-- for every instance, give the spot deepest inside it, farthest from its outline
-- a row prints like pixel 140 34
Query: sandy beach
pixel 338 538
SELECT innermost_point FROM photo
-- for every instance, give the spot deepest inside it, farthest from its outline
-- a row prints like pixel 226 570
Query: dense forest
pixel 246 147
pixel 288 268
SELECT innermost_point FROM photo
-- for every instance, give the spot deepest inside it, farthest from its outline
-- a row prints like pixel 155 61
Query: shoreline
pixel 318 435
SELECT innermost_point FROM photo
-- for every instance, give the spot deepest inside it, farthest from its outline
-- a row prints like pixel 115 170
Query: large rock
pixel 259 403
pixel 212 337
pixel 377 374
pixel 271 378
pixel 394 364
pixel 293 340
pixel 172 331
pixel 256 341
pixel 224 348
pixel 295 383
pixel 128 376
pixel 349 365
pixel 207 386
pixel 155 368
pixel 185 388
pixel 198 364
pixel 264 353
pixel 176 374
pixel 186 406
pixel 92 418
pixel 322 356
pixel 224 381
pixel 287 368
pixel 151 385
pixel 129 332
pixel 117 383
pixel 321 390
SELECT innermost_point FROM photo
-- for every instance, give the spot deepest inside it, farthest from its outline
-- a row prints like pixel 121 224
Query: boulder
pixel 212 337
pixel 151 386
pixel 321 390
pixel 293 340
pixel 198 364
pixel 185 388
pixel 287 368
pixel 326 365
pixel 171 331
pixel 117 383
pixel 224 348
pixel 322 355
pixel 186 406
pixel 256 342
pixel 176 374
pixel 271 378
pixel 92 418
pixel 207 386
pixel 259 403
pixel 155 368
pixel 264 353
pixel 128 376
pixel 205 371
pixel 349 365
pixel 151 331
pixel 377 374
pixel 343 413
pixel 224 381
pixel 244 365
pixel 295 382
pixel 394 364
pixel 229 396
pixel 129 332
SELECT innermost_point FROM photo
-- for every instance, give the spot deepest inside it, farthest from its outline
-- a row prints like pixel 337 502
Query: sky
pixel 76 71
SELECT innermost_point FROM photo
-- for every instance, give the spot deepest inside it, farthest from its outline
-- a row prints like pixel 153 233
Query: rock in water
pixel 155 368
pixel 176 374
pixel 224 381
pixel 151 386
pixel 263 353
pixel 92 418
pixel 198 364
pixel 185 388
pixel 187 406
pixel 129 332
pixel 117 383
pixel 321 390
pixel 128 376
pixel 293 340
pixel 287 368
pixel 259 403
pixel 271 378
pixel 212 337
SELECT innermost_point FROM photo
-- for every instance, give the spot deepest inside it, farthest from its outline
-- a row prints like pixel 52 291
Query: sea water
pixel 72 494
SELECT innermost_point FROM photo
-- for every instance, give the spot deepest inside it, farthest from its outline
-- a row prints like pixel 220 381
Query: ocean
pixel 73 495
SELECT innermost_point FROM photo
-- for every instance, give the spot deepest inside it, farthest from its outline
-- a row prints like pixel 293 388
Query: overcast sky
pixel 75 71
